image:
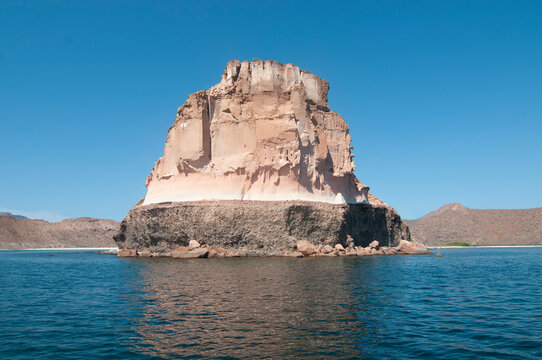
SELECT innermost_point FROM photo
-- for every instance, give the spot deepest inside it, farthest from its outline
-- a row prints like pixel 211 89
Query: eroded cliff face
pixel 259 227
pixel 265 132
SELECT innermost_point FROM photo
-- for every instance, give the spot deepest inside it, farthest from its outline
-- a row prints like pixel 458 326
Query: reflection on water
pixel 251 308
pixel 469 304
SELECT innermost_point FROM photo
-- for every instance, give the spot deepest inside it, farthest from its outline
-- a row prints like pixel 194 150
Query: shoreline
pixel 63 249
pixel 429 247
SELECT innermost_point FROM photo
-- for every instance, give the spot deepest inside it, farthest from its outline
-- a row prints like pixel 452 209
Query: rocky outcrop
pixel 80 232
pixel 302 248
pixel 455 223
pixel 259 227
pixel 254 165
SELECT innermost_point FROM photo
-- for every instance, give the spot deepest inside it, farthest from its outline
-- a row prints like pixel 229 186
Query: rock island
pixel 259 165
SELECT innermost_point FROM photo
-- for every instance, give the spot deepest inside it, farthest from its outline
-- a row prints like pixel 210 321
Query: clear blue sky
pixel 443 98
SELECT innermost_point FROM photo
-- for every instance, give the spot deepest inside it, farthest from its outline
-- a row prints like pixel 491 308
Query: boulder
pixel 305 247
pixel 374 245
pixel 361 252
pixel 292 254
pixel 193 244
pixel 145 253
pixel 192 254
pixel 409 247
pixel 327 249
pixel 339 247
pixel 127 253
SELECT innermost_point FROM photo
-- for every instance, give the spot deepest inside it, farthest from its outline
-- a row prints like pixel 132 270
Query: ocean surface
pixel 468 304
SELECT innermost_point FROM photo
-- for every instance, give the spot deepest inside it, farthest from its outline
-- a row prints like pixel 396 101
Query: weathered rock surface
pixel 265 132
pixel 22 233
pixel 257 165
pixel 258 227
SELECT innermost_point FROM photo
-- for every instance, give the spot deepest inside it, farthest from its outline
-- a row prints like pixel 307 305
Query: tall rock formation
pixel 264 133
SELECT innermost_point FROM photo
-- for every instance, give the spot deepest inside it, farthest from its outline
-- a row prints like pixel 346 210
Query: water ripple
pixel 469 304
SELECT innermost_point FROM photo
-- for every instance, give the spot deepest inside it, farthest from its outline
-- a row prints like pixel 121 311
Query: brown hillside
pixel 457 223
pixel 79 232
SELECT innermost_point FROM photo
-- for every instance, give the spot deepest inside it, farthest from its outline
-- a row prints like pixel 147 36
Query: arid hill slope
pixel 80 232
pixel 457 223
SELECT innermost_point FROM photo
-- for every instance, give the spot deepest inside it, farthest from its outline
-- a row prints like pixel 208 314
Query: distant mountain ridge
pixel 457 223
pixel 13 215
pixel 21 233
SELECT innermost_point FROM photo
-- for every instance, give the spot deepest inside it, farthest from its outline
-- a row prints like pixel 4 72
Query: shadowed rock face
pixel 255 164
pixel 258 227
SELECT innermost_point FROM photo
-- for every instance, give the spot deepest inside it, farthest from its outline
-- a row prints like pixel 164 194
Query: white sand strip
pixel 61 249
pixel 482 246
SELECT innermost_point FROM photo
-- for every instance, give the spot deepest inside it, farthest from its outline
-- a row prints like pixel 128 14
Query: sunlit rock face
pixel 265 132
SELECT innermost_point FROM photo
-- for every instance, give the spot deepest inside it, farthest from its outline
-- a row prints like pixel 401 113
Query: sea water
pixel 468 304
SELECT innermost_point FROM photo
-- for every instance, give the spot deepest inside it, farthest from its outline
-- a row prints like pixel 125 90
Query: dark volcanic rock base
pixel 258 227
